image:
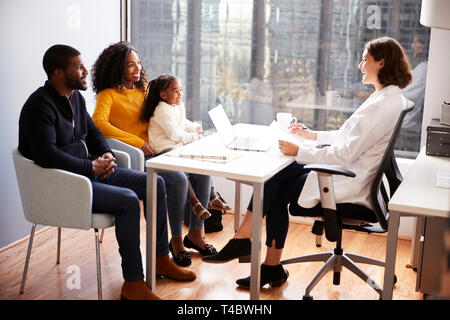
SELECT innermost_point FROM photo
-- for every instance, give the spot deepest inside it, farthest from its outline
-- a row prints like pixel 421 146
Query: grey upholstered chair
pixel 337 217
pixel 48 199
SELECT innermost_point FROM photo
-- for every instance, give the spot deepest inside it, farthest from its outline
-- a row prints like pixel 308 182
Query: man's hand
pixel 104 165
pixel 288 148
pixel 148 151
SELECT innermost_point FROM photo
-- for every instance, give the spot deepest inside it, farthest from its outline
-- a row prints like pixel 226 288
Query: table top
pixel 245 166
pixel 418 194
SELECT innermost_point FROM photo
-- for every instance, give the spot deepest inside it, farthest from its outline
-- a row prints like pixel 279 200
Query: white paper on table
pixel 281 133
pixel 443 179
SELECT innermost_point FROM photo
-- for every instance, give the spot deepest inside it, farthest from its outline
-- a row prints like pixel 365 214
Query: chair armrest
pixel 327 197
pixel 122 159
pixel 137 158
pixel 331 169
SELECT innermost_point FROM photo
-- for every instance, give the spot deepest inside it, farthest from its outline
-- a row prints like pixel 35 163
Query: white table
pixel 253 168
pixel 416 196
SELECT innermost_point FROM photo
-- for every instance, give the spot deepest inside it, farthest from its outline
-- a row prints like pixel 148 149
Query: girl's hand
pixel 288 148
pixel 148 151
pixel 199 130
pixel 301 130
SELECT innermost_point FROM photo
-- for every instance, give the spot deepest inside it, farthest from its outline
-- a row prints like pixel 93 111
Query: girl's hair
pixel 153 97
pixel 109 69
pixel 396 69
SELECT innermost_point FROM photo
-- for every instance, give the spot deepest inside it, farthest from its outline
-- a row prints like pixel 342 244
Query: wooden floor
pixel 49 281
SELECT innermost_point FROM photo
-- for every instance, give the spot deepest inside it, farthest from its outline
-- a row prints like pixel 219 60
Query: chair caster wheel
pixel 308 298
pixel 395 279
pixel 318 245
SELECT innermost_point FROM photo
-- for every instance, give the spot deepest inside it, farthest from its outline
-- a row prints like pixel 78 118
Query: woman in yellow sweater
pixel 120 82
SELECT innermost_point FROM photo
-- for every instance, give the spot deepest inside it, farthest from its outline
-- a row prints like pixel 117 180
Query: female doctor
pixel 358 144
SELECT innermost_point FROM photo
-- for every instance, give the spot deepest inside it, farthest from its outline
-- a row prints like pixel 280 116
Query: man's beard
pixel 76 84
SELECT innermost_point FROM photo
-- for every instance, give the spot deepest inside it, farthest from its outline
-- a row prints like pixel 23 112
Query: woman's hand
pixel 301 130
pixel 288 148
pixel 148 151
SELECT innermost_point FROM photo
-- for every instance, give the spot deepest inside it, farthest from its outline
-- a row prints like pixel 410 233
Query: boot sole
pixel 176 279
pixel 242 259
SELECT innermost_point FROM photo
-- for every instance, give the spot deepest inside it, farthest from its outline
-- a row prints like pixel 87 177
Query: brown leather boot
pixel 137 290
pixel 167 268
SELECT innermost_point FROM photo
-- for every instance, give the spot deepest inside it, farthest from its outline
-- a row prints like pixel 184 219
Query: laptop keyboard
pixel 243 142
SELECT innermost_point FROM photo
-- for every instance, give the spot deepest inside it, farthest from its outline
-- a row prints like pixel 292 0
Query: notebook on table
pixel 229 136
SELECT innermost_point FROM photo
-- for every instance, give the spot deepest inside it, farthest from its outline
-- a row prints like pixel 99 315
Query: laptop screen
pixel 222 124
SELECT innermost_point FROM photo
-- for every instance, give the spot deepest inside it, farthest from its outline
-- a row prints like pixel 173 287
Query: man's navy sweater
pixel 57 132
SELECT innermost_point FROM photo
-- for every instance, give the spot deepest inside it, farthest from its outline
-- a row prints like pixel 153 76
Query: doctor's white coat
pixel 358 145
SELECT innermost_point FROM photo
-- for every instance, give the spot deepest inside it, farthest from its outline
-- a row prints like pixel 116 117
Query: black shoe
pixel 183 258
pixel 235 248
pixel 274 275
pixel 210 250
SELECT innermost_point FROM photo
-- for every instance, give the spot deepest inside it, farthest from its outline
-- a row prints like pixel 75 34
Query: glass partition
pixel 259 57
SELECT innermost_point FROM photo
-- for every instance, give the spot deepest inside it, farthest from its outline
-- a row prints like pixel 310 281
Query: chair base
pixel 27 259
pixel 335 261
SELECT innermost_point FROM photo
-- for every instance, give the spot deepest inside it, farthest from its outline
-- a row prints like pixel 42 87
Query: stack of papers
pixel 213 154
pixel 200 153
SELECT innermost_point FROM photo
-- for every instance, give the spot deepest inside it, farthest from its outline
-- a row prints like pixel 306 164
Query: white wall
pixel 438 77
pixel 27 30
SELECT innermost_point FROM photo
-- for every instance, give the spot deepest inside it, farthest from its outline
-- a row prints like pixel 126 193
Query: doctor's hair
pixel 109 69
pixel 153 96
pixel 58 57
pixel 396 70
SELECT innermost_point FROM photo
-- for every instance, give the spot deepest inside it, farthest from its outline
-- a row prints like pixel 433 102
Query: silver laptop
pixel 229 136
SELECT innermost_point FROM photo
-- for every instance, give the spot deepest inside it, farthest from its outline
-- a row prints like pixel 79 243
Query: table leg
pixel 151 229
pixel 411 261
pixel 391 252
pixel 258 190
pixel 237 205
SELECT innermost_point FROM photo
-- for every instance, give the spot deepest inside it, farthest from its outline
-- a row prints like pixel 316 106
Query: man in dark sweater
pixel 56 131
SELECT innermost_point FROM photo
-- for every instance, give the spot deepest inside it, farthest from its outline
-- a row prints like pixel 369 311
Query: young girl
pixel 169 128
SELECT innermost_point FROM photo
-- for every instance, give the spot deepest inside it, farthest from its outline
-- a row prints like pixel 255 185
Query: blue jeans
pixel 119 194
pixel 176 189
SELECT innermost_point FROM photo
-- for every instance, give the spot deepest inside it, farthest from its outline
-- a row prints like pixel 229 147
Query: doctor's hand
pixel 301 130
pixel 288 148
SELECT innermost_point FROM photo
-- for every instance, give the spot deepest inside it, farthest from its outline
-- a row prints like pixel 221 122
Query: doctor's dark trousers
pixel 279 191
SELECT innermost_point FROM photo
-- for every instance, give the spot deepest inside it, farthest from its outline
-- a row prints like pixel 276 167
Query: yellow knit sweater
pixel 117 115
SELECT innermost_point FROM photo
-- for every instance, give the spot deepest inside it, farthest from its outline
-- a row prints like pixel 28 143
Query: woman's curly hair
pixel 396 69
pixel 109 69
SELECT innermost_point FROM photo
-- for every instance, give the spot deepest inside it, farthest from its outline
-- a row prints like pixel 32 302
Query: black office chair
pixel 337 217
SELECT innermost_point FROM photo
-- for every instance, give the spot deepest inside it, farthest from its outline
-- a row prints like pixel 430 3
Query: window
pixel 259 57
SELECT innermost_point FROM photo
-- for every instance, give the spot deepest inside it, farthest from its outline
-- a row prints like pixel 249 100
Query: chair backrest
pixel 53 197
pixel 388 167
